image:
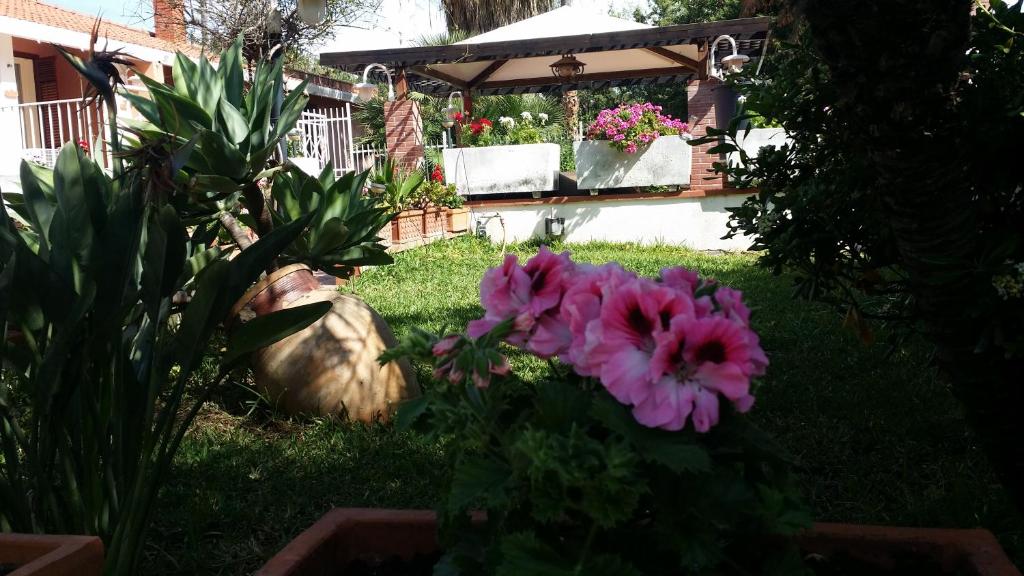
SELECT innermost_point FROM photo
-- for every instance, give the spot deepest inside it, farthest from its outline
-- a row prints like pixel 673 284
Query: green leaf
pixel 235 125
pixel 185 74
pixel 264 330
pixel 524 554
pixel 477 480
pixel 231 73
pixel 674 450
pixel 410 411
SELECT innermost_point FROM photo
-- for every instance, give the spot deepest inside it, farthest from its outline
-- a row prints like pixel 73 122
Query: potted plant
pixel 510 157
pixel 446 203
pixel 633 456
pixel 633 145
pixel 398 191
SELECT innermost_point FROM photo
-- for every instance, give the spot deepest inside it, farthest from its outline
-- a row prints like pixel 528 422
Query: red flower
pixel 437 175
pixel 486 122
pixel 458 117
pixel 476 127
pixel 84 145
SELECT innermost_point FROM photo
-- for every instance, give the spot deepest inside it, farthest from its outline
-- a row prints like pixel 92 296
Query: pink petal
pixel 705 415
pixel 625 375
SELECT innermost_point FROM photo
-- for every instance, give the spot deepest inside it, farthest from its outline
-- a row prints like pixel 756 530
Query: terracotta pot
pixel 458 220
pixel 407 227
pixel 433 222
pixel 345 535
pixel 385 234
pixel 330 367
pixel 46 555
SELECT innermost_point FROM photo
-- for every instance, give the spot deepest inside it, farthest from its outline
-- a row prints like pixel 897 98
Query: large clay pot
pixel 329 368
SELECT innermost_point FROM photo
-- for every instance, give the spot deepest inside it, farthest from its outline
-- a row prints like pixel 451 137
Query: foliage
pixel 215 24
pixel 620 490
pixel 887 201
pixel 395 189
pixel 343 231
pixel 476 16
pixel 671 12
pixel 371 117
pixel 108 299
pixel 435 192
pixel 630 126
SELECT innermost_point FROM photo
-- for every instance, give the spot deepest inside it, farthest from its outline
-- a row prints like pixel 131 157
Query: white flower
pixel 543 118
pixel 526 116
pixel 506 122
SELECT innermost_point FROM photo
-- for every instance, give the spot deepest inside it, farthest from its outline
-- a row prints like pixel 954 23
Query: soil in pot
pixel 417 566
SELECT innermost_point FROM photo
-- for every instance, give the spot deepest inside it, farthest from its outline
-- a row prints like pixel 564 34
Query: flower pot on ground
pixel 344 536
pixel 458 220
pixel 329 367
pixel 50 555
pixel 633 145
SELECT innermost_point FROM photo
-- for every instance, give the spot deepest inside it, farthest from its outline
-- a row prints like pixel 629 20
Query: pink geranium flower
pixel 581 311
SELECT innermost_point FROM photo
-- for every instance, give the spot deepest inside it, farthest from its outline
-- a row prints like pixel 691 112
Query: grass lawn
pixel 880 439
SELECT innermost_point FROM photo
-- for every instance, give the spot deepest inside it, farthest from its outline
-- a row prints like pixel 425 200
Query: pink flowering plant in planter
pixel 631 127
pixel 632 455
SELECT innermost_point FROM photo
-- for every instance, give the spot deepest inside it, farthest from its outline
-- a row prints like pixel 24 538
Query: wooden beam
pixel 401 85
pixel 486 73
pixel 742 29
pixel 674 57
pixel 438 75
pixel 582 78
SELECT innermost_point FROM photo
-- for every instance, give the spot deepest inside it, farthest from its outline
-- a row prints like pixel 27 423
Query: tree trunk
pixel 571 112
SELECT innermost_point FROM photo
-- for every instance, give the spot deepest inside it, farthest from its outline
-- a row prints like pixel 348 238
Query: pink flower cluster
pixel 655 345
pixel 633 125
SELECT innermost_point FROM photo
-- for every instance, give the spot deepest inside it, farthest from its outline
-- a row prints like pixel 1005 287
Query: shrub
pixel 632 126
pixel 633 456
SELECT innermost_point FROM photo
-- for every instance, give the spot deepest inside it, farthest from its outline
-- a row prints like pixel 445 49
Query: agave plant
pixel 344 226
pixel 108 301
pixel 397 190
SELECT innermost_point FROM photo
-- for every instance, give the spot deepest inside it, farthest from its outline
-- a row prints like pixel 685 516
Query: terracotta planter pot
pixel 458 220
pixel 433 222
pixel 45 555
pixel 385 234
pixel 407 227
pixel 330 367
pixel 345 535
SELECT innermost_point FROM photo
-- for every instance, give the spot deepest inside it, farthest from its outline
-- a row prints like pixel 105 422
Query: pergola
pixel 517 58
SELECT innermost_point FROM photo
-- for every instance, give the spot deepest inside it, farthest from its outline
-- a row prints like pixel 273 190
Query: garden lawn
pixel 879 438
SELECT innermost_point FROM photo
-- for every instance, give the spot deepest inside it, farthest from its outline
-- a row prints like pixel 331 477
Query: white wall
pixel 697 223
pixel 10 144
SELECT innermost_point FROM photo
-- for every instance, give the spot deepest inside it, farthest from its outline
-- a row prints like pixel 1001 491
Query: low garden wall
pixel 690 219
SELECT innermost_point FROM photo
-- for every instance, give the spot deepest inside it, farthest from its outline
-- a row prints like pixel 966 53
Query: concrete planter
pixel 664 162
pixel 46 555
pixel 503 169
pixel 345 535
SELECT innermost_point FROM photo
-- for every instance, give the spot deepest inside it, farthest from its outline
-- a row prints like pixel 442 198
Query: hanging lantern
pixel 450 111
pixel 312 12
pixel 567 68
pixel 366 91
pixel 731 63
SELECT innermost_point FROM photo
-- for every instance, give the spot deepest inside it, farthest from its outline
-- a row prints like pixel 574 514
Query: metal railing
pixel 44 127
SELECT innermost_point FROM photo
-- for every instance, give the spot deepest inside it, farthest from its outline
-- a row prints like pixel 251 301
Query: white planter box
pixel 664 162
pixel 503 169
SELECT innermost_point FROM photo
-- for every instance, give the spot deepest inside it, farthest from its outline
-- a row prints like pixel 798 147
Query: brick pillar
pixel 700 96
pixel 404 133
pixel 169 20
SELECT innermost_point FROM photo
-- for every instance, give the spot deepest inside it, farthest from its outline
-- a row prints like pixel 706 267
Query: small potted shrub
pixel 399 191
pixel 634 145
pixel 445 203
pixel 508 157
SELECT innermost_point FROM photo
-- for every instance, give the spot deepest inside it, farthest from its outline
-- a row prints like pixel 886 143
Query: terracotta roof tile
pixel 58 17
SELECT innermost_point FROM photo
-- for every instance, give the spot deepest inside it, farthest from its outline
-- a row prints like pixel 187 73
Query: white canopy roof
pixel 564 21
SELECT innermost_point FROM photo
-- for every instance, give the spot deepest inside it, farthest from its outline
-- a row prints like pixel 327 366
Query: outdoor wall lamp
pixel 554 226
pixel 312 12
pixel 567 68
pixel 365 91
pixel 731 63
pixel 450 111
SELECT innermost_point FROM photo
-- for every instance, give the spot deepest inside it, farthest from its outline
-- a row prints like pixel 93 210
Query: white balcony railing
pixel 43 127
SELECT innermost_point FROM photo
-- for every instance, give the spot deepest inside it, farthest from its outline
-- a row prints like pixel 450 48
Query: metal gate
pixel 327 137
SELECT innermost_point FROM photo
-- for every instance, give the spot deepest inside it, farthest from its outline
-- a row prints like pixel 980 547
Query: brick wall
pixel 169 20
pixel 404 133
pixel 700 97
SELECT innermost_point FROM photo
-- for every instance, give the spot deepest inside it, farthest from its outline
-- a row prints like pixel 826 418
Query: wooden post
pixel 401 85
pixel 467 103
